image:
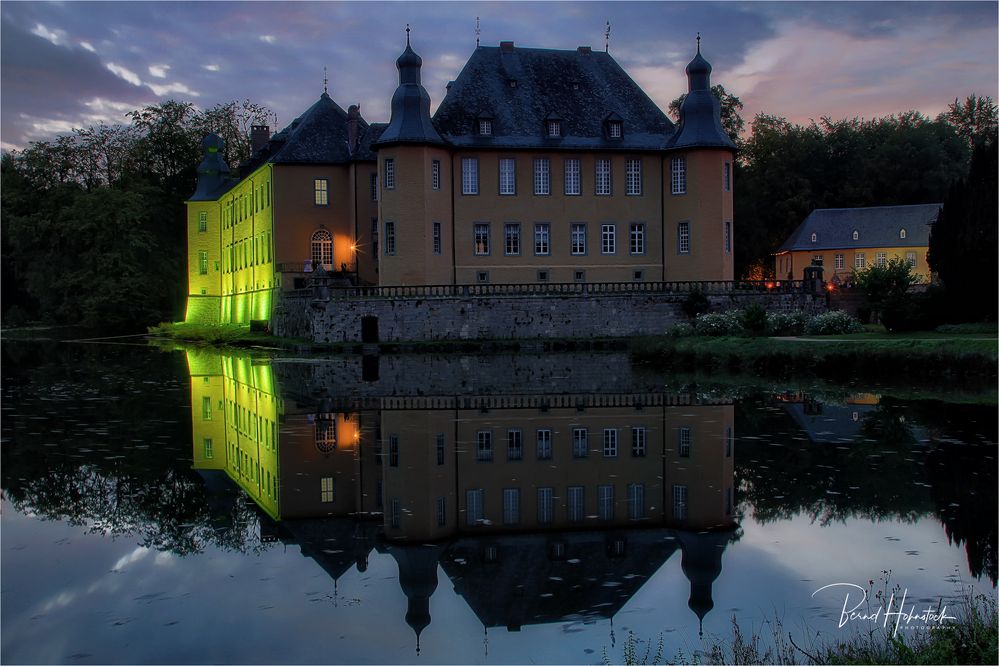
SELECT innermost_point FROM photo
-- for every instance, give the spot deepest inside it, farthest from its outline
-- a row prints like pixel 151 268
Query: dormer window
pixel 815 237
pixel 614 129
pixel 856 235
pixel 513 83
pixel 901 233
pixel 485 127
pixel 554 128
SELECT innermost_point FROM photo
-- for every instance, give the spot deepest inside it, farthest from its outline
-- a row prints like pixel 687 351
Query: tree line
pixel 93 221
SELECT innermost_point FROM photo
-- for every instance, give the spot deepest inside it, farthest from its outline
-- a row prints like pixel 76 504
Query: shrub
pixel 681 330
pixel 719 323
pixel 835 322
pixel 754 319
pixel 786 323
pixel 695 304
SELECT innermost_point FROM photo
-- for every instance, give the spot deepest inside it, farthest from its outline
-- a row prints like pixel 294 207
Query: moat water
pixel 171 506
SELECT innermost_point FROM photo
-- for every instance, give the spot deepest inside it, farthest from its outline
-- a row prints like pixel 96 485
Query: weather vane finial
pixel 326 80
pixel 607 38
pixel 478 31
pixel 407 34
pixel 698 41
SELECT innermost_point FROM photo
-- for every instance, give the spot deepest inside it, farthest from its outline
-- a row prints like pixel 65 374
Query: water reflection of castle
pixel 539 507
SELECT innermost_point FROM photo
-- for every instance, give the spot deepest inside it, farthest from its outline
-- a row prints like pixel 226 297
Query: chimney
pixel 506 47
pixel 353 136
pixel 259 136
pixel 584 50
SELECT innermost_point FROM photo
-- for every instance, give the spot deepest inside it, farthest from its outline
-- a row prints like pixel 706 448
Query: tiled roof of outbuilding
pixel 581 88
pixel 877 226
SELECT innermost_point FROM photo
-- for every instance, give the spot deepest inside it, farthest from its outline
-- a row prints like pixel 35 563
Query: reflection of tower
pixel 418 580
pixel 701 561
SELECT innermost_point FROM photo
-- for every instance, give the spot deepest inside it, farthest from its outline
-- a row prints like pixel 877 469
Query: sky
pixel 65 65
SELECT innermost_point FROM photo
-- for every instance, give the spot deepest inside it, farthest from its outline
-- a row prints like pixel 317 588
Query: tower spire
pixel 698 42
pixel 326 80
pixel 407 35
pixel 478 31
pixel 607 38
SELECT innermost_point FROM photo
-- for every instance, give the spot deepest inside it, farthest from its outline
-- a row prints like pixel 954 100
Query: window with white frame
pixel 910 258
pixel 480 234
pixel 327 491
pixel 637 238
pixel 727 176
pixel 202 262
pixel 608 239
pixel 683 238
pixel 602 183
pixel 546 505
pixel 514 444
pixel 208 450
pixel 542 239
pixel 614 129
pixel 683 442
pixel 881 258
pixel 511 506
pixel 511 235
pixel 390 238
pixel 636 501
pixel 610 442
pixel 578 239
pixel 436 238
pixel 542 176
pixel 507 176
pixel 572 182
pixel 322 186
pixel 679 502
pixel 469 175
pixel 639 441
pixel 544 444
pixel 389 173
pixel 856 235
pixel 901 233
pixel 485 127
pixel 860 260
pixel 435 174
pixel 580 443
pixel 484 446
pixel 202 221
pixel 815 237
pixel 678 175
pixel 633 177
pixel 817 260
pixel 554 128
pixel 474 506
pixel 839 261
pixel 322 248
pixel 575 503
pixel 605 501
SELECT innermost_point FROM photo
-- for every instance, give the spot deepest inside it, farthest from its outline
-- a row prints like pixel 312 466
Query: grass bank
pixel 908 357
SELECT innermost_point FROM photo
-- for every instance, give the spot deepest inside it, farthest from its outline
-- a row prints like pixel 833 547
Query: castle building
pixel 539 166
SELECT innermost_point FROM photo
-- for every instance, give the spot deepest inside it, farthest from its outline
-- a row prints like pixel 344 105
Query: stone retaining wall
pixel 521 317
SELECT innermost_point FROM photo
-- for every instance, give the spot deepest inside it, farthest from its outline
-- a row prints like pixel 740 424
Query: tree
pixel 976 119
pixel 886 287
pixel 731 121
pixel 964 238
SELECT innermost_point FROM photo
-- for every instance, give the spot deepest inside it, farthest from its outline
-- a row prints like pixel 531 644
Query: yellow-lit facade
pixel 838 265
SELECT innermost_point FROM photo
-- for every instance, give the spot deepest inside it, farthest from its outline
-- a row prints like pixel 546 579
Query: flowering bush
pixel 833 323
pixel 787 323
pixel 719 323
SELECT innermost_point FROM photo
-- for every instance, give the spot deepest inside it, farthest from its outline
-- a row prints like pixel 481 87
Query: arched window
pixel 815 237
pixel 326 432
pixel 322 248
pixel 901 233
pixel 856 235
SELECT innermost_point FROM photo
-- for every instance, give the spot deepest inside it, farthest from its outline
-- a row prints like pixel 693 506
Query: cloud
pixel 171 88
pixel 124 73
pixel 88 46
pixel 270 39
pixel 55 36
pixel 211 68
pixel 159 71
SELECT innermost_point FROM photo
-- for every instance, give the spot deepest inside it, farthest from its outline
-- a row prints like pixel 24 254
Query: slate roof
pixel 213 173
pixel 410 122
pixel 582 88
pixel 700 113
pixel 878 226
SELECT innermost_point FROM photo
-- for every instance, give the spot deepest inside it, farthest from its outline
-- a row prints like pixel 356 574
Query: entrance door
pixel 369 329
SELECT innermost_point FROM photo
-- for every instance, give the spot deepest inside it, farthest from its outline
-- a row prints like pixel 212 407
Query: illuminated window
pixel 209 453
pixel 437 237
pixel 322 191
pixel 572 184
pixel 322 248
pixel 578 239
pixel 542 176
pixel 546 505
pixel 839 261
pixel 633 177
pixel 683 443
pixel 860 260
pixel 325 433
pixel 610 442
pixel 511 236
pixel 602 183
pixel 507 175
pixel 203 221
pixel 206 409
pixel 910 258
pixel 636 501
pixel 817 260
pixel 484 446
pixel 469 175
pixel 639 441
pixel 575 503
pixel 608 239
pixel 683 238
pixel 637 238
pixel 680 502
pixel 580 443
pixel 327 491
pixel 678 179
pixel 544 438
pixel 514 445
pixel 881 258
pixel 435 174
pixel 511 506
pixel 605 502
pixel 542 239
pixel 481 238
pixel 202 262
pixel 389 173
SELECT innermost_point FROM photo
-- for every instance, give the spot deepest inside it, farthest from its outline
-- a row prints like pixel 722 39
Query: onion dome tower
pixel 213 172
